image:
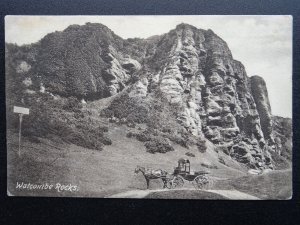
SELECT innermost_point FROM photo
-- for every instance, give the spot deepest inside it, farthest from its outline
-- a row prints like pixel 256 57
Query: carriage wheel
pixel 201 182
pixel 169 183
pixel 169 180
pixel 177 182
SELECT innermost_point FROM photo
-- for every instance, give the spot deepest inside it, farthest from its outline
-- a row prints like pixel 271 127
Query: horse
pixel 151 174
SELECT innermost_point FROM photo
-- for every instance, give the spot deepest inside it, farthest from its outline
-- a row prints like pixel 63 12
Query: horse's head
pixel 137 170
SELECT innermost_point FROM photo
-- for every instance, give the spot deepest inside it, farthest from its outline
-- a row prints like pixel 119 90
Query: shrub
pixel 95 134
pixel 84 136
pixel 72 104
pixel 158 144
pixel 48 118
pixel 130 108
pixel 208 166
pixel 152 141
pixel 221 160
pixel 130 124
pixel 162 115
pixel 144 136
pixel 279 162
pixel 79 115
pixel 130 134
pixel 190 154
pixel 105 140
pixel 166 130
pixel 103 129
pixel 220 148
pixel 201 144
pixel 83 140
pixel 179 140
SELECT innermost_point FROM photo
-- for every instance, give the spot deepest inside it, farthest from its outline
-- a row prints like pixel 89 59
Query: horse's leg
pixel 165 182
pixel 147 181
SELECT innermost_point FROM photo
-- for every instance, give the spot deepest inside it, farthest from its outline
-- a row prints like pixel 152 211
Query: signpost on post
pixel 21 111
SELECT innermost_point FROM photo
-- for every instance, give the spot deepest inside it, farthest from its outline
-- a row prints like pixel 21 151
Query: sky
pixel 262 43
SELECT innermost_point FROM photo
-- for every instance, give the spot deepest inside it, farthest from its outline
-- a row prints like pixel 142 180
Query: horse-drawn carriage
pixel 181 173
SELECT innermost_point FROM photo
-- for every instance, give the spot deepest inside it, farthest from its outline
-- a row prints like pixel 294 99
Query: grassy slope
pixel 107 172
pixel 97 173
pixel 272 185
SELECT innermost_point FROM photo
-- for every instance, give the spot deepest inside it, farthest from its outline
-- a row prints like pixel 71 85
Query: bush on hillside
pixel 162 116
pixel 158 144
pixel 221 160
pixel 132 109
pixel 72 104
pixel 50 117
pixel 201 144
pixel 103 128
pixel 287 154
pixel 152 141
pixel 190 154
pixel 279 162
pixel 176 138
pixel 209 166
pixel 167 130
pixel 105 140
pixel 79 115
pixel 84 140
pixel 131 134
pixel 144 136
pixel 222 149
pixel 94 133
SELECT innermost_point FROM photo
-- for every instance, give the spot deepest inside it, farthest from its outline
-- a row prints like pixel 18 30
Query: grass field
pixel 272 185
pixel 111 171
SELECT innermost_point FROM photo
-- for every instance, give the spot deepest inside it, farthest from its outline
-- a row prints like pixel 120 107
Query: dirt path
pixel 231 194
pixel 234 194
pixel 136 193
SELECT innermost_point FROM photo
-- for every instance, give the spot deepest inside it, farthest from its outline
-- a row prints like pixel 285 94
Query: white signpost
pixel 21 111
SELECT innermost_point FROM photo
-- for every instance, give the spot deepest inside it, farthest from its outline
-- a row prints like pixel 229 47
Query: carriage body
pixel 183 172
pixel 184 169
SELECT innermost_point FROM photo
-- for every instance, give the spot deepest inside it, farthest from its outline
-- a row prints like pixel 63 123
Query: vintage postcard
pixel 171 107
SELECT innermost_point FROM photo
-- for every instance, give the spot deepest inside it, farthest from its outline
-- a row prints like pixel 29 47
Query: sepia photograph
pixel 149 107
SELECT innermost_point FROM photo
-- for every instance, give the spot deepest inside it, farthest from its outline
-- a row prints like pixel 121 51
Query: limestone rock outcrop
pixel 260 95
pixel 192 68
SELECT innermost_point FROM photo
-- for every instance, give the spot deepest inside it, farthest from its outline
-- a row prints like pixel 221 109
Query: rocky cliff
pixel 192 69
